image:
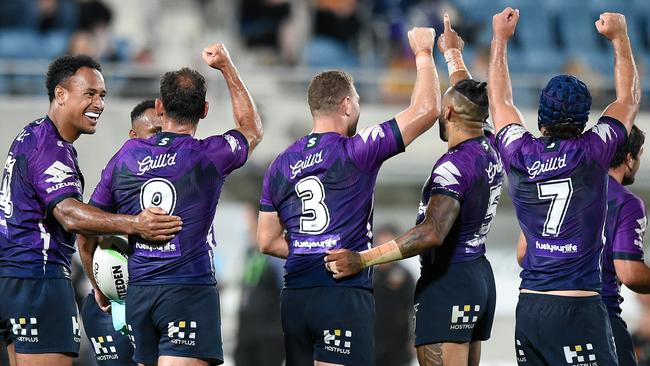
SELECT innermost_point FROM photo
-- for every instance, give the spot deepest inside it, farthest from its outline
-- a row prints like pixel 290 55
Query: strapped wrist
pixel 454 59
pixel 384 253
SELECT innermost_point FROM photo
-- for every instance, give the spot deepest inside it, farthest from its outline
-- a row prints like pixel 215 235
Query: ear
pixel 206 107
pixel 160 108
pixel 447 112
pixel 132 134
pixel 60 94
pixel 629 161
pixel 346 107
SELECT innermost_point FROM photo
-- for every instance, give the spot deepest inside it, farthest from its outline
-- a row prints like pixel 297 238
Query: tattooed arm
pixel 441 213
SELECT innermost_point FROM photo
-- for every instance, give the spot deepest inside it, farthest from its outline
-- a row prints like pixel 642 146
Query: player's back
pixel 40 171
pixel 624 229
pixel 184 176
pixel 322 188
pixel 471 172
pixel 559 190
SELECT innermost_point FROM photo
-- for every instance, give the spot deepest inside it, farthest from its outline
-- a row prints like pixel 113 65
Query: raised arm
pixel 270 235
pixel 424 109
pixel 441 213
pixel 247 119
pixel 626 77
pixel 502 107
pixel 451 45
pixel 151 224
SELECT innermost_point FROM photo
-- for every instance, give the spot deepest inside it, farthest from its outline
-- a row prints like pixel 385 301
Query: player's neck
pixel 182 129
pixel 324 124
pixel 67 130
pixel 459 135
pixel 618 173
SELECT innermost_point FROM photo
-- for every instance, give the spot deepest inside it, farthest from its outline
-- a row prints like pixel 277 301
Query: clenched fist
pixel 612 25
pixel 216 56
pixel 505 22
pixel 422 39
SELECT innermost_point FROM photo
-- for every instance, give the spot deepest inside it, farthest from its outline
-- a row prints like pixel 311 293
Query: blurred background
pixel 278 45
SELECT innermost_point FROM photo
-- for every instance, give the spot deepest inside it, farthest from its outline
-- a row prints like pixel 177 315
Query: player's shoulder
pixel 512 133
pixel 606 129
pixel 630 201
pixel 448 169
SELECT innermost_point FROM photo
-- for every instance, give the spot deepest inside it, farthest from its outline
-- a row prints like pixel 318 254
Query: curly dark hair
pixel 632 146
pixel 183 94
pixel 64 67
pixel 327 89
pixel 139 109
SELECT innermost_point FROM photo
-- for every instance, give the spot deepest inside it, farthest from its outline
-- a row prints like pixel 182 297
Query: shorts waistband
pixel 531 297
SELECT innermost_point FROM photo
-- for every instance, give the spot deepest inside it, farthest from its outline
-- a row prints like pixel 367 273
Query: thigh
pixel 568 329
pixel 43 359
pixel 342 325
pixel 188 320
pixel 41 314
pixel 142 332
pixel 623 341
pixel 453 307
pixel 111 347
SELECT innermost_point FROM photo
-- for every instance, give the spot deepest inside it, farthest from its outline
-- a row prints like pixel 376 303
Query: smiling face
pixel 81 97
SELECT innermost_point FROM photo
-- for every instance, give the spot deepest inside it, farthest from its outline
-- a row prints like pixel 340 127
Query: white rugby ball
pixel 110 268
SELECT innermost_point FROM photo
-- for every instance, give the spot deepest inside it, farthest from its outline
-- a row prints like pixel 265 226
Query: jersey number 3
pixel 315 216
pixel 559 192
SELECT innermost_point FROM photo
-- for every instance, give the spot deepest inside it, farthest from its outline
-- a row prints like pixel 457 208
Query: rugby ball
pixel 110 268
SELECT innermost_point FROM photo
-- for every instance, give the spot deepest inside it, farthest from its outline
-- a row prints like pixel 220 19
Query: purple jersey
pixel 559 191
pixel 624 230
pixel 472 173
pixel 41 170
pixel 183 176
pixel 322 188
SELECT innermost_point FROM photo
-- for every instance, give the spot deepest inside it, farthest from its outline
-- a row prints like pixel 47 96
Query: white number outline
pixel 166 183
pixel 5 187
pixel 491 212
pixel 556 213
pixel 313 205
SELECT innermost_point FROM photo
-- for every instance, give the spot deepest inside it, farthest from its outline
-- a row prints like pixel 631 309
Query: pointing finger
pixel 447 23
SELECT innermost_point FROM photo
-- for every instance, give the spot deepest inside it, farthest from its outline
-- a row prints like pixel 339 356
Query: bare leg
pixel 474 353
pixel 447 354
pixel 321 363
pixel 180 361
pixel 43 359
pixel 11 352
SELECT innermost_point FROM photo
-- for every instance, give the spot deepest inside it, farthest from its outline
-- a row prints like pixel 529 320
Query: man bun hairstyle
pixel 327 89
pixel 475 92
pixel 64 67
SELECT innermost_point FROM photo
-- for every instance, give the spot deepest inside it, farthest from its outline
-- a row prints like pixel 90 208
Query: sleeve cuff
pixel 628 256
pixel 58 199
pixel 398 135
pixel 266 208
pixel 448 193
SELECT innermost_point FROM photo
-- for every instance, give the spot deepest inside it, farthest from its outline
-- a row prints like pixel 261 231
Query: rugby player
pixel 172 303
pixel 624 230
pixel 40 210
pixel 320 190
pixel 110 346
pixel 558 184
pixel 455 295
